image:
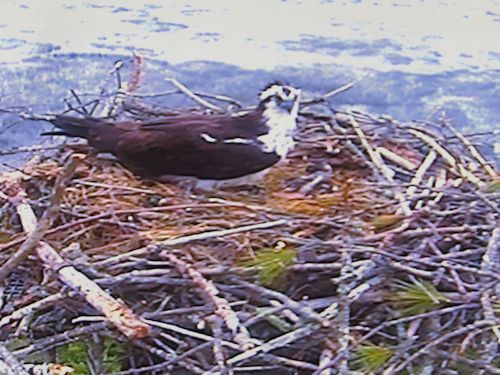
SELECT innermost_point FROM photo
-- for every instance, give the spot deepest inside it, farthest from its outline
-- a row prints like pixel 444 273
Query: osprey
pixel 211 148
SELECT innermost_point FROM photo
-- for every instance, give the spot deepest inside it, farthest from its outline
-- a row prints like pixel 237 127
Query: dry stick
pixel 456 166
pixel 189 333
pixel 443 338
pixel 334 92
pixel 219 354
pixel 37 230
pixel 489 311
pixel 31 308
pixel 17 150
pixel 426 192
pixel 344 312
pixel 222 98
pixel 344 87
pixel 211 294
pixel 192 95
pixel 419 174
pixel 116 312
pixel 489 366
pixel 473 151
pixel 297 307
pixel 9 364
pixel 137 72
pixel 103 215
pixel 229 344
pixel 124 89
pixel 118 187
pixel 191 238
pixel 111 105
pixel 278 342
pixel 325 358
pixel 377 161
pixel 281 341
pixel 395 158
pixel 491 258
pixel 390 323
pixel 49 369
pixel 490 263
pixel 47 343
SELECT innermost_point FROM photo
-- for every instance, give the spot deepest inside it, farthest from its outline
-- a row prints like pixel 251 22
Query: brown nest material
pixel 373 248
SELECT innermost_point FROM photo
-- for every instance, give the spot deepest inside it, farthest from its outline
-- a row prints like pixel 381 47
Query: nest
pixel 372 248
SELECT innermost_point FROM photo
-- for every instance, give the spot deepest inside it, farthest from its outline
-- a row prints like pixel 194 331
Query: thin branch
pixel 191 238
pixel 192 95
pixel 37 230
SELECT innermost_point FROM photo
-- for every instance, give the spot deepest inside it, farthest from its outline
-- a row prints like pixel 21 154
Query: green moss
pixel 75 355
pixel 112 357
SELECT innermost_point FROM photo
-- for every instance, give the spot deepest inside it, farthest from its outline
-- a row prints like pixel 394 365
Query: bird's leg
pixel 187 184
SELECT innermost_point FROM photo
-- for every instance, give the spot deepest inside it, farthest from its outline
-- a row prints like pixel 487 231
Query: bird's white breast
pixel 281 125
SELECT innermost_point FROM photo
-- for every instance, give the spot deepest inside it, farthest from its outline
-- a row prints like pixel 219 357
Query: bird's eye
pixel 287 91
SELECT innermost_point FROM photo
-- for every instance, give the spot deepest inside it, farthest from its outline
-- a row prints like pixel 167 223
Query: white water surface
pixel 417 36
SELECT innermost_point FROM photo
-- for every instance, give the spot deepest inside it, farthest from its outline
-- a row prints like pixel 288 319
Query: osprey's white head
pixel 279 105
pixel 281 98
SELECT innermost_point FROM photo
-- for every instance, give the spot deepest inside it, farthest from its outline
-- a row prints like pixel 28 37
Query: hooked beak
pixel 290 105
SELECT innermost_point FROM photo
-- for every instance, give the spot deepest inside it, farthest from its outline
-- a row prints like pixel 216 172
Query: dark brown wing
pixel 205 147
pixel 249 125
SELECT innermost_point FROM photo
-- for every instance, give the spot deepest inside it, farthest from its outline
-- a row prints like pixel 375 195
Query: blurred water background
pixel 419 55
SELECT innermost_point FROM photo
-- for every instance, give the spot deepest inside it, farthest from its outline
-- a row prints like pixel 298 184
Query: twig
pixel 37 230
pixel 491 258
pixel 222 98
pixel 419 174
pixel 109 186
pixel 457 166
pixel 489 312
pixel 77 98
pixel 473 150
pixel 377 161
pixel 395 158
pixel 59 339
pixel 443 338
pixel 324 359
pixel 30 309
pixel 18 150
pixel 137 72
pixel 191 238
pixel 275 343
pixel 334 92
pixel 300 309
pixel 11 364
pixel 187 332
pixel 131 211
pixel 345 87
pixel 116 312
pixel 211 294
pixel 192 95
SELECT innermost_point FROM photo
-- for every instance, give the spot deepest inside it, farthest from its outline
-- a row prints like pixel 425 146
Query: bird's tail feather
pixel 74 126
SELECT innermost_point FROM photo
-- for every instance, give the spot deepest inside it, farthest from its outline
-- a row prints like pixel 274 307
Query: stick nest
pixel 373 247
